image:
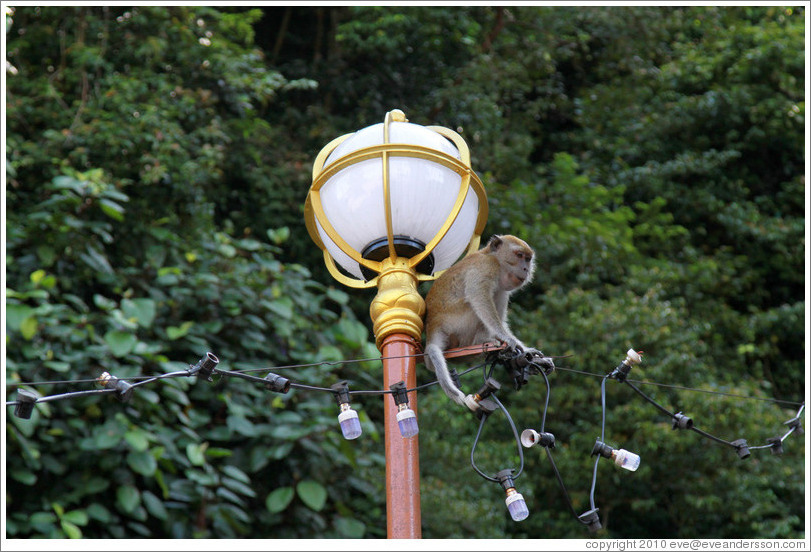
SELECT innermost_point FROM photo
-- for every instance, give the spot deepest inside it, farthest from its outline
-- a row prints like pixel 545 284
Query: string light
pixel 621 457
pixel 406 418
pixel 519 366
pixel 348 418
pixel 516 505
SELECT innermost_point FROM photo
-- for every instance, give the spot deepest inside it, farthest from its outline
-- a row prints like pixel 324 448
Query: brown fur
pixel 467 305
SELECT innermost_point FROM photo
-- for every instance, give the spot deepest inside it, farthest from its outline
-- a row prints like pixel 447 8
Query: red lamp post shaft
pixel 402 455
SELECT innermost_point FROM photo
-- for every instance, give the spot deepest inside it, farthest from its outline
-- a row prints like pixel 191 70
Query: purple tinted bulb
pixel 516 505
pixel 407 420
pixel 349 421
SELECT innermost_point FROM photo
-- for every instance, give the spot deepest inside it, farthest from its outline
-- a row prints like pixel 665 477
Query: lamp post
pixel 392 205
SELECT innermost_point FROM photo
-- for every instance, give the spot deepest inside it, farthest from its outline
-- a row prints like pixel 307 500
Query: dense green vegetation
pixel 157 163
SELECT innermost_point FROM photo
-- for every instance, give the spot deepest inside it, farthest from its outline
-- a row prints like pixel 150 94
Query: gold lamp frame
pixel 314 210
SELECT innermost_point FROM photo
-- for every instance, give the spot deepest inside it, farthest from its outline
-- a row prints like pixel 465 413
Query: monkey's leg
pixel 436 362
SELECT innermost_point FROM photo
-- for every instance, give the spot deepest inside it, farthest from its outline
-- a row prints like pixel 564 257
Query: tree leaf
pixel 142 309
pixel 137 439
pixel 71 530
pixel 16 315
pixel 279 499
pixel 29 327
pixel 120 343
pixel 142 462
pixel 176 332
pixel 112 209
pixel 78 517
pixel 196 453
pixel 312 493
pixel 127 498
pixel 350 527
pixel 154 505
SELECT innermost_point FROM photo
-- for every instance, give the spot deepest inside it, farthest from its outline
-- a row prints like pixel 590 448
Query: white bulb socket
pixel 530 438
pixel 632 357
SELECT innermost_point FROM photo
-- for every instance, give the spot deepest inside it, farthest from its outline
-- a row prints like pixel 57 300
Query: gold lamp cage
pixel 314 210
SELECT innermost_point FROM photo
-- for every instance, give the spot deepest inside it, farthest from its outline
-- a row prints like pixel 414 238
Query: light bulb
pixel 516 505
pixel 349 421
pixel 625 459
pixel 407 420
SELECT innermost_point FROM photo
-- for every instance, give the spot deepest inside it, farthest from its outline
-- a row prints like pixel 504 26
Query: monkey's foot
pixel 471 403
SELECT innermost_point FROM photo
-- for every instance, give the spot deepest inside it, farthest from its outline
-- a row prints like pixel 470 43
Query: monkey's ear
pixel 495 242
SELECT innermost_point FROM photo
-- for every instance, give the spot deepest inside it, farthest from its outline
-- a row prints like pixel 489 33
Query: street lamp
pixel 392 205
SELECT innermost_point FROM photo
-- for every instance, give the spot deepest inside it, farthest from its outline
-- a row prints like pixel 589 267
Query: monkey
pixel 467 305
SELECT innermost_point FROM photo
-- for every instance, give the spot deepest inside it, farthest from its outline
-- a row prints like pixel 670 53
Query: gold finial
pixel 398 116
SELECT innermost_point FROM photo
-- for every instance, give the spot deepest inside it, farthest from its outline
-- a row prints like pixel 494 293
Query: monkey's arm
pixel 482 296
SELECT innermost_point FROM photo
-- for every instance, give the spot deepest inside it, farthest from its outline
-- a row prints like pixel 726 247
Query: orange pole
pixel 403 518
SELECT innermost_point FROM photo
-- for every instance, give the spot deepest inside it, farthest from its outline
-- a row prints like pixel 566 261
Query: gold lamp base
pixel 398 306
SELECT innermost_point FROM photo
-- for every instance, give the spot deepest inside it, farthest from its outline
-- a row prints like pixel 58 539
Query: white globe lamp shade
pixel 395 189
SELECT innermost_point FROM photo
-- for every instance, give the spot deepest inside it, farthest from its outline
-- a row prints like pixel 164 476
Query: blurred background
pixel 157 161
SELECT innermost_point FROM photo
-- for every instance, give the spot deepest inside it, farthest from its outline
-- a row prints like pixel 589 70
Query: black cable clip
pixel 399 393
pixel 795 424
pixel 742 448
pixel 341 390
pixel 455 377
pixel 25 404
pixel 276 383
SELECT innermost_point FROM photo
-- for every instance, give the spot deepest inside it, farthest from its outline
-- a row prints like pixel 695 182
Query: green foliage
pixel 118 261
pixel 157 162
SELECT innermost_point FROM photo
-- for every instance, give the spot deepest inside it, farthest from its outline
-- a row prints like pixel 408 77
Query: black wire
pixel 684 388
pixel 563 487
pixel 335 363
pixel 473 449
pixel 546 404
pixel 182 373
pixel 647 398
pixel 672 415
pixel 515 433
pixel 602 438
pixel 50 398
pixel 242 374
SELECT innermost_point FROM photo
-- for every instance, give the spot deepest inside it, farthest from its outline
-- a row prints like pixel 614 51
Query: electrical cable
pixel 123 391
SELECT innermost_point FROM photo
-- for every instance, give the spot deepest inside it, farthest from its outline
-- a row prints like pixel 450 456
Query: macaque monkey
pixel 467 305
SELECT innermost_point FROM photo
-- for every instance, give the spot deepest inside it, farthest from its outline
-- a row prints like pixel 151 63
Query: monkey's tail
pixel 436 362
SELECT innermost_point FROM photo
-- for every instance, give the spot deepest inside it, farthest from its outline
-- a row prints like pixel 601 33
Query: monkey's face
pixel 518 268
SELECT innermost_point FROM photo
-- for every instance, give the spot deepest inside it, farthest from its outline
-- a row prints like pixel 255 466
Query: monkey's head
pixel 516 258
